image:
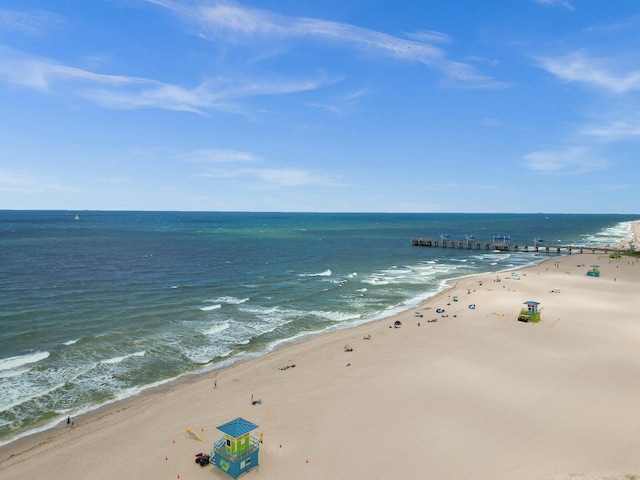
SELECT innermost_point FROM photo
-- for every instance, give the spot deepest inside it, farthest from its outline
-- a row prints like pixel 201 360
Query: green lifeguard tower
pixel 531 313
pixel 594 271
pixel 237 451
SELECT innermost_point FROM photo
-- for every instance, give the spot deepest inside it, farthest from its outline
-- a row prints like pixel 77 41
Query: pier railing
pixel 507 246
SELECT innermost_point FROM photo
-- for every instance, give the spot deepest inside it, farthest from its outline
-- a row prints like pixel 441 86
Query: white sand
pixel 475 395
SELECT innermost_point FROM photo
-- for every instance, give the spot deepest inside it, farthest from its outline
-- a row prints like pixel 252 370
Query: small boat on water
pixel 77 217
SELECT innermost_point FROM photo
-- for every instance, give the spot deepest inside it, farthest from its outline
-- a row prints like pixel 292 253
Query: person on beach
pixel 69 420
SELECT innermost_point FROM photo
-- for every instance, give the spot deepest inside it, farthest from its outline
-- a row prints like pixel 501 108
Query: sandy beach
pixel 473 395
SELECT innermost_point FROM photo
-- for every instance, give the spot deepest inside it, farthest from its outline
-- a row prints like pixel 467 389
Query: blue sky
pixel 320 106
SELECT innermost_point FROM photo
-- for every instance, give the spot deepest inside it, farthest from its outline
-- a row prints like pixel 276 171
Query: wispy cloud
pixel 614 131
pixel 491 122
pixel 34 23
pixel 570 160
pixel 579 67
pixel 231 22
pixel 128 92
pixel 429 36
pixel 556 3
pixel 214 155
pixel 289 177
pixel 41 73
pixel 343 104
pixel 18 181
pixel 270 177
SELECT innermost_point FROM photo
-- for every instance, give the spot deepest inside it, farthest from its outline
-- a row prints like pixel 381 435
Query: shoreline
pixel 55 420
pixel 320 374
pixel 90 413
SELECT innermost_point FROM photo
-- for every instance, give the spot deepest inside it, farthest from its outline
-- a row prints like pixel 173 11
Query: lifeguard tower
pixel 237 451
pixel 531 313
pixel 594 271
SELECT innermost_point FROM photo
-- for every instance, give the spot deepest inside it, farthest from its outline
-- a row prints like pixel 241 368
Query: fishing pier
pixel 507 246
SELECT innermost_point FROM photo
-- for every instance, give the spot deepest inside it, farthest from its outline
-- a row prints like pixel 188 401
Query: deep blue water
pixel 97 309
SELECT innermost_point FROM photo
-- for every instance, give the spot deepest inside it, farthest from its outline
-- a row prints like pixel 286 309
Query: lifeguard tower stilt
pixel 237 451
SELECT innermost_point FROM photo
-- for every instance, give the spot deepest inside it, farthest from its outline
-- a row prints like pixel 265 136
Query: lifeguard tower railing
pixel 220 448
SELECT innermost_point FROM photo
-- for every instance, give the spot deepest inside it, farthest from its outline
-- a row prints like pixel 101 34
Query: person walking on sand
pixel 69 420
pixel 215 384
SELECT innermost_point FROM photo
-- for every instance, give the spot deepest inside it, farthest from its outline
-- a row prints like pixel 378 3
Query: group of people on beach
pixel 70 421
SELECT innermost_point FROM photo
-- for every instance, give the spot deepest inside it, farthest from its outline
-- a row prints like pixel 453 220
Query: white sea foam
pixel 13 373
pixel 335 316
pixel 19 393
pixel 12 363
pixel 230 300
pixel 610 235
pixel 207 352
pixel 126 393
pixel 326 273
pixel 217 328
pixel 113 360
pixel 376 280
pixel 70 342
pixel 211 307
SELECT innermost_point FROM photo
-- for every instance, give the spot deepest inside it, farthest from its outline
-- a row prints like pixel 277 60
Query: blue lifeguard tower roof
pixel 238 427
pixel 531 302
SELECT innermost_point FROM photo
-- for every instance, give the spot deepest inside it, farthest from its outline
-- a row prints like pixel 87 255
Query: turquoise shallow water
pixel 97 309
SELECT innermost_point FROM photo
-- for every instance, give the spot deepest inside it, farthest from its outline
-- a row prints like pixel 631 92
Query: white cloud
pixel 617 130
pixel 578 67
pixel 289 177
pixel 36 72
pixel 556 3
pixel 213 155
pixel 232 22
pixel 17 181
pixel 343 104
pixel 428 36
pixel 491 122
pixel 34 23
pixel 570 160
pixel 126 92
pixel 269 177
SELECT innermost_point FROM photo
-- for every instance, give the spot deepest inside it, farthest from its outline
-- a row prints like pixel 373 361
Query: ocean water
pixel 100 308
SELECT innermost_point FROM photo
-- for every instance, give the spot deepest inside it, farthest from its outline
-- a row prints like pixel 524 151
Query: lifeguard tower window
pixel 228 442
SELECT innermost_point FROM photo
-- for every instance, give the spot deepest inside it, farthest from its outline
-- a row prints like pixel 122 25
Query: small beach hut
pixel 237 451
pixel 594 271
pixel 531 313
